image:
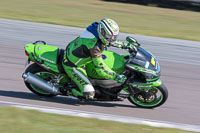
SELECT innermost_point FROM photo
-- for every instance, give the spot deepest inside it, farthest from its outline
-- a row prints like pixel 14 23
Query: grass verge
pixel 14 120
pixel 131 18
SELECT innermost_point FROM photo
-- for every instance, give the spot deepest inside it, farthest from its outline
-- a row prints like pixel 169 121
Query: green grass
pixel 131 18
pixel 13 120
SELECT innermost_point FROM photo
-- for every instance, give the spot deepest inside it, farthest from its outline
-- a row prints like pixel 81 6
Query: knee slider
pixel 88 88
pixel 89 92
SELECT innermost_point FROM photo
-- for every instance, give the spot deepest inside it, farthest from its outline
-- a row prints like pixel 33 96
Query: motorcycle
pixel 143 87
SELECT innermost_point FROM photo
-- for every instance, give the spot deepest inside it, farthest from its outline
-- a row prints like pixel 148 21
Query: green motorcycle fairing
pixel 45 54
pixel 48 56
pixel 147 65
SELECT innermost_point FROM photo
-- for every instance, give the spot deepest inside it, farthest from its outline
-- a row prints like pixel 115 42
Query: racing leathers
pixel 85 49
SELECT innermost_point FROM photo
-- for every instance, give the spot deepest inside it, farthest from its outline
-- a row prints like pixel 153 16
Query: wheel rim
pixel 155 98
pixel 46 76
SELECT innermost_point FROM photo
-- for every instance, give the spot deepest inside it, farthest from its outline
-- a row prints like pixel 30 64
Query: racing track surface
pixel 179 60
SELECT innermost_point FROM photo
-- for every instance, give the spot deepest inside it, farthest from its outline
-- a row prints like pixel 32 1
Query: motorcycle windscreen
pixel 145 60
pixel 148 61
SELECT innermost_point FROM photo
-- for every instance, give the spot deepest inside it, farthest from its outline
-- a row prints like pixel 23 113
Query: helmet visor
pixel 109 38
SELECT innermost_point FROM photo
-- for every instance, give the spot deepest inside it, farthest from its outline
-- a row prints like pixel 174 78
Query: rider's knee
pixel 88 88
pixel 89 92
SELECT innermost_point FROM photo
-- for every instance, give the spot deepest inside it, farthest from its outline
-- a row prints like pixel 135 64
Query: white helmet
pixel 108 31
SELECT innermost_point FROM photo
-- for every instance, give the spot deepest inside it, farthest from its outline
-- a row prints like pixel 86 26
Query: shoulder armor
pixel 88 42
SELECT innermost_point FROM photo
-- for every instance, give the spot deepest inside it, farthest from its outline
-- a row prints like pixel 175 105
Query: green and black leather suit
pixel 82 50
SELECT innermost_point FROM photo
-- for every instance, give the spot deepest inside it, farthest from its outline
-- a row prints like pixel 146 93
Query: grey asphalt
pixel 179 60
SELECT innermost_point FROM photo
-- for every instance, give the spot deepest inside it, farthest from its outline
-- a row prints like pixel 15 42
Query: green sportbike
pixel 143 87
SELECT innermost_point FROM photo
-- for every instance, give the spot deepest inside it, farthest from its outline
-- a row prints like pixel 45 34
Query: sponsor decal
pixel 147 65
pixel 142 86
pixel 153 61
pixel 46 59
pixel 81 81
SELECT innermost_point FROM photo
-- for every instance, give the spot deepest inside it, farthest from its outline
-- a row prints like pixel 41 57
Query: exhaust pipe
pixel 39 82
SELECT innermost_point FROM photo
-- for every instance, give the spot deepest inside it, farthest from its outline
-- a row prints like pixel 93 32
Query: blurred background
pixel 133 16
pixel 190 5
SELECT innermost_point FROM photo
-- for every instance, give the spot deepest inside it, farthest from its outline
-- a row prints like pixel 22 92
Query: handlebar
pixel 133 50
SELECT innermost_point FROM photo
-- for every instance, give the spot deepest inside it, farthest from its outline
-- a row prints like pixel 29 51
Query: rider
pixel 87 48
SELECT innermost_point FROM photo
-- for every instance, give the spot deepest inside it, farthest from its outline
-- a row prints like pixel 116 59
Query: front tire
pixel 158 97
pixel 37 70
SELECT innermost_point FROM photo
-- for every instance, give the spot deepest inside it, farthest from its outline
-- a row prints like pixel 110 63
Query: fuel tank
pixel 113 60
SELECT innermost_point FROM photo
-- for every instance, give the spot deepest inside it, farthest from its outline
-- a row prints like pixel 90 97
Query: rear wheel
pixel 42 73
pixel 155 97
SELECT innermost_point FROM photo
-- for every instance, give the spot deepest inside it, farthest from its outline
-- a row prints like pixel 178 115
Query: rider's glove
pixel 120 78
pixel 128 46
pixel 123 45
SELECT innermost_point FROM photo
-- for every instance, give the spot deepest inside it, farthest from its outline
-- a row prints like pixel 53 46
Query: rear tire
pixel 157 102
pixel 34 69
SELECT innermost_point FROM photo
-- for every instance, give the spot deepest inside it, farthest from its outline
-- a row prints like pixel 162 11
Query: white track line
pixel 102 116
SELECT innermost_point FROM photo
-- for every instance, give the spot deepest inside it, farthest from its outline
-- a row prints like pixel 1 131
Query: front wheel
pixel 156 96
